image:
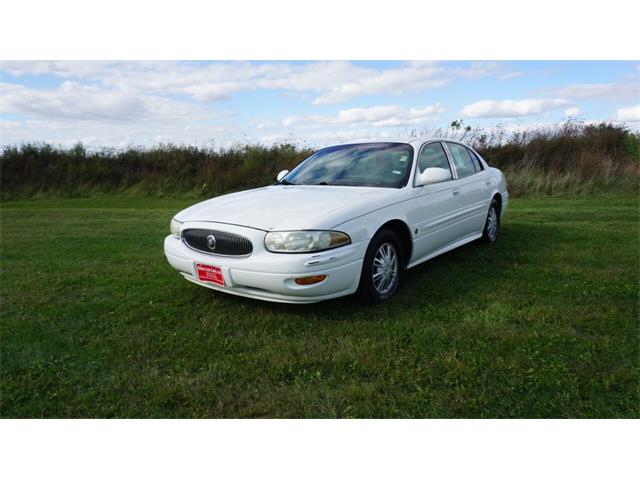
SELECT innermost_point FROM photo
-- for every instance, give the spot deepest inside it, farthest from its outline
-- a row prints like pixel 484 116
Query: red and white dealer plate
pixel 210 273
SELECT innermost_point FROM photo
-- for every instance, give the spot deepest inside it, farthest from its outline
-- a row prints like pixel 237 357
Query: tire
pixel 384 247
pixel 492 223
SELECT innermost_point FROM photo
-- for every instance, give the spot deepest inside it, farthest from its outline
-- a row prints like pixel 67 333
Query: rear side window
pixel 462 160
pixel 432 155
pixel 476 160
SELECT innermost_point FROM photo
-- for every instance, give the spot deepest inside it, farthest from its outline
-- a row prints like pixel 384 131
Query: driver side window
pixel 432 155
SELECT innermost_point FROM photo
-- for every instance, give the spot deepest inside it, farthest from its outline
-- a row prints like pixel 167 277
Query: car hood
pixel 291 207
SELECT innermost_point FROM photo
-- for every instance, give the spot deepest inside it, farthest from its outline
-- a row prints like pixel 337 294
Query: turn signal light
pixel 310 280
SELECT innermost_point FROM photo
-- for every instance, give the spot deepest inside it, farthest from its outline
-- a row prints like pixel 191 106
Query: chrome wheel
pixel 492 224
pixel 385 268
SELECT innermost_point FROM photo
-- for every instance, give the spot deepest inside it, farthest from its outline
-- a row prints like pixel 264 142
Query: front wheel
pixel 382 266
pixel 492 224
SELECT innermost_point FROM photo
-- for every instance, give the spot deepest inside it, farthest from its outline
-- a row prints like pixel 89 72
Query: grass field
pixel 542 324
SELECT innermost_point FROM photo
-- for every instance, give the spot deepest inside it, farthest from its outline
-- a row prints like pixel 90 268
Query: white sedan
pixel 348 219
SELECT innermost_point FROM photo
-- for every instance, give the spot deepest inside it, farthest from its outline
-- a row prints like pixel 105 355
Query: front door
pixel 435 209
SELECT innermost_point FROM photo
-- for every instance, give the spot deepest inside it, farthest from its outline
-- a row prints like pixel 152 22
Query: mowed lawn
pixel 94 323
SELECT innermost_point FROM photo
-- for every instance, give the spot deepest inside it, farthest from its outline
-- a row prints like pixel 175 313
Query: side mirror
pixel 282 174
pixel 433 175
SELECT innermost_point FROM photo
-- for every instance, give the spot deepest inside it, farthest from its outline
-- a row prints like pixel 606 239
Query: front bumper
pixel 270 276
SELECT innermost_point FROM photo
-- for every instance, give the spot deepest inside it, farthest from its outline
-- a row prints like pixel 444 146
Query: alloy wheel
pixel 385 268
pixel 492 224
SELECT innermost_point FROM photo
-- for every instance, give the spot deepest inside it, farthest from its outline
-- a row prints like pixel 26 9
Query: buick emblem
pixel 211 242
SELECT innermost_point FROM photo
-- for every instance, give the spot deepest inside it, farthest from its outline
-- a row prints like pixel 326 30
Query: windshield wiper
pixel 286 182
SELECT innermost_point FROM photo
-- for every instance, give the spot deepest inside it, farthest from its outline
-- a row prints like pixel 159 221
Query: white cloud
pixel 73 101
pixel 63 69
pixel 512 108
pixel 96 134
pixel 99 116
pixel 510 74
pixel 379 116
pixel 129 107
pixel 572 112
pixel 628 114
pixel 331 82
pixel 146 102
pixel 611 91
pixel 413 77
pixel 485 69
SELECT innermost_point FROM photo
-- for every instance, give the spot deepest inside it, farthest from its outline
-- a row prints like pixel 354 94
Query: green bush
pixel 40 169
pixel 571 158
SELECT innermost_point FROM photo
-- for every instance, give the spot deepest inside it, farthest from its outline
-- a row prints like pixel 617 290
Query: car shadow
pixel 476 267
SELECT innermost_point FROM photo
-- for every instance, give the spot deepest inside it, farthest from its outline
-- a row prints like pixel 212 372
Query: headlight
pixel 175 227
pixel 304 241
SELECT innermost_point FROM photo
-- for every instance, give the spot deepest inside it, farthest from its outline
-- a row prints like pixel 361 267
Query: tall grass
pixel 36 170
pixel 570 158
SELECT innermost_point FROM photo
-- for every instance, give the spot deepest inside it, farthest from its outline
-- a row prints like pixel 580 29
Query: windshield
pixel 359 165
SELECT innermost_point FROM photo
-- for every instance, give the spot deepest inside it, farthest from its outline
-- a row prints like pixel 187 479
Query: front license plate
pixel 209 273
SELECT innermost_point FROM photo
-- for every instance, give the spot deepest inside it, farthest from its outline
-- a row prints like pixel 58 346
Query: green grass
pixel 94 323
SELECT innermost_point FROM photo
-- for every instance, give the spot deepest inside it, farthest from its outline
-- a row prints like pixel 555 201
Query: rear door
pixel 471 182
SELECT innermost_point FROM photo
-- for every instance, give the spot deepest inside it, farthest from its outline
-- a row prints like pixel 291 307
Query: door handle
pixel 489 183
pixel 455 192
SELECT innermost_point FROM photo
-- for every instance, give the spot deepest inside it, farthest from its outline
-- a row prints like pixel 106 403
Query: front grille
pixel 221 243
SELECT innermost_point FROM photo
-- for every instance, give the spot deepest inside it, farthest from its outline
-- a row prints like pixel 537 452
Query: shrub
pixel 570 158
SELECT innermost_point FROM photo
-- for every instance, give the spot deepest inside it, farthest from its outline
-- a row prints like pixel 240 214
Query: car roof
pixel 416 141
pixel 421 140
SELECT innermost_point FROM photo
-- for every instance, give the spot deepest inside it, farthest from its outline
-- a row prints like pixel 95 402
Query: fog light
pixel 310 280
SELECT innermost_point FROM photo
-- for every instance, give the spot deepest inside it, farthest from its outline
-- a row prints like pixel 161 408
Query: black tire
pixel 492 223
pixel 368 291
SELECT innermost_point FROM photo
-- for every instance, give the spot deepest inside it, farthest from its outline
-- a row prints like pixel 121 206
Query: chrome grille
pixel 216 242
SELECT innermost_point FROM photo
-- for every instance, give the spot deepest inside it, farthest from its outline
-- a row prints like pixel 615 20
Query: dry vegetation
pixel 569 158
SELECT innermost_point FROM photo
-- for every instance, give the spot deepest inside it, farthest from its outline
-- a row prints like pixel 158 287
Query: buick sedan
pixel 347 220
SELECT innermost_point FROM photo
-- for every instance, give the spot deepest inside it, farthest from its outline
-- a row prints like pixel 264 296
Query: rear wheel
pixel 383 264
pixel 492 224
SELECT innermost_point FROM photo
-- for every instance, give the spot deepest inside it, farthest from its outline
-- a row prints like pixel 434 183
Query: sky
pixel 120 104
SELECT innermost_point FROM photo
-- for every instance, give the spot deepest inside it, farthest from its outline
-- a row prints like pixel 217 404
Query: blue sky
pixel 314 103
